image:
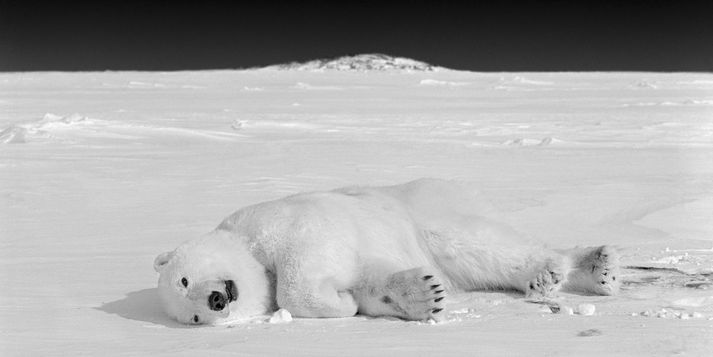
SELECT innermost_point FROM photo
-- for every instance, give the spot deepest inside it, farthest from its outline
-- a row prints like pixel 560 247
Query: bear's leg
pixel 595 270
pixel 542 276
pixel 309 290
pixel 316 300
pixel 414 294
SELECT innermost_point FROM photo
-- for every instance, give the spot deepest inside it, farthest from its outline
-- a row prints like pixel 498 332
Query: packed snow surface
pixel 100 172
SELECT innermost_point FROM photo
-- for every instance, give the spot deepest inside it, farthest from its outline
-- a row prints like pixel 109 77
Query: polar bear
pixel 377 251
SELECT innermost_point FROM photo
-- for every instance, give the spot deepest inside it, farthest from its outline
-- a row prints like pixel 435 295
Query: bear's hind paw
pixel 545 283
pixel 415 294
pixel 604 263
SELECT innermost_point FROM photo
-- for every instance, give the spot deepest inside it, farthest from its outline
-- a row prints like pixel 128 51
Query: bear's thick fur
pixel 378 251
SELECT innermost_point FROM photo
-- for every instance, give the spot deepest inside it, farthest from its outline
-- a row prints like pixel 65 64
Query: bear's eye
pixel 195 318
pixel 184 282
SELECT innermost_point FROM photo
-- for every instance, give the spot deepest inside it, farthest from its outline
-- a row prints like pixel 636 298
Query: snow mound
pixel 670 314
pixel 307 86
pixel 438 83
pixel 373 62
pixel 13 135
pixel 523 80
pixel 52 120
pixel 644 84
pixel 77 128
pixel 520 83
pixel 532 142
pixel 22 133
pixel 143 85
pixel 669 103
pixel 697 301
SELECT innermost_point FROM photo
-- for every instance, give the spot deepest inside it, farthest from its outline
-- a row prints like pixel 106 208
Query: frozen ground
pixel 100 172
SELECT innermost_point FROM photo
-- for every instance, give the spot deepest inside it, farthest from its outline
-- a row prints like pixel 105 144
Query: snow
pixel 281 316
pixel 567 310
pixel 100 172
pixel 586 309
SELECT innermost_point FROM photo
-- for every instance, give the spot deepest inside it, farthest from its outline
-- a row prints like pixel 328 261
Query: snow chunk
pixel 561 309
pixel 586 309
pixel 280 316
pixel 307 86
pixel 590 332
pixel 253 89
pixel 567 310
pixel 523 80
pixel 645 84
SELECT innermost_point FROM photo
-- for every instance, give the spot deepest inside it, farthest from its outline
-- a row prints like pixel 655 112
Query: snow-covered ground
pixel 100 172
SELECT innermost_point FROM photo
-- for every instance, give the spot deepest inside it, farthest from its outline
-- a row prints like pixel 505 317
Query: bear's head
pixel 213 279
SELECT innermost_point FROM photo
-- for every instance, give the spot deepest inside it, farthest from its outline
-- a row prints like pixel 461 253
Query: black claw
pixel 435 311
pixel 604 282
pixel 428 277
pixel 435 286
pixel 605 273
pixel 438 299
pixel 613 278
pixel 593 267
pixel 532 286
pixel 438 291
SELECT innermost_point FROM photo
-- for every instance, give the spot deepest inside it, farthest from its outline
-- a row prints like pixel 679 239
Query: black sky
pixel 497 36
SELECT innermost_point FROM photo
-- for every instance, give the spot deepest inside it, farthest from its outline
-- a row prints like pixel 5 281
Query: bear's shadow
pixel 142 305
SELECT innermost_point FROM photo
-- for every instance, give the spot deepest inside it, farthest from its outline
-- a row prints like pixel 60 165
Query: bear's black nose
pixel 216 301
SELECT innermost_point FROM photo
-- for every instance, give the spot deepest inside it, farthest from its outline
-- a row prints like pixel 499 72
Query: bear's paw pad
pixel 545 283
pixel 416 294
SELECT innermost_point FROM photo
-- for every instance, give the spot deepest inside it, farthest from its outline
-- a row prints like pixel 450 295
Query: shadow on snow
pixel 142 305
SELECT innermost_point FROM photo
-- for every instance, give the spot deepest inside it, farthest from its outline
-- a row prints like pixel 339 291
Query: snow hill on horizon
pixel 376 62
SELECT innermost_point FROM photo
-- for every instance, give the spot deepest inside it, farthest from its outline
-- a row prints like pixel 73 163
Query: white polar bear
pixel 378 251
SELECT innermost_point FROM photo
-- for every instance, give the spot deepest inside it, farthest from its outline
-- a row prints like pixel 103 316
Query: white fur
pixel 329 254
pixel 203 262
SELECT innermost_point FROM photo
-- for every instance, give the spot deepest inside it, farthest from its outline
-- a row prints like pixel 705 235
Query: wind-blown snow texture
pixel 100 172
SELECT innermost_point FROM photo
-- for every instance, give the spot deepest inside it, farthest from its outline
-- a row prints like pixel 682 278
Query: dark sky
pixel 497 36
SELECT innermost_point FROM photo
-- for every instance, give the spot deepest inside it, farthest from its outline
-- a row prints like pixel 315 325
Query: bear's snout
pixel 217 301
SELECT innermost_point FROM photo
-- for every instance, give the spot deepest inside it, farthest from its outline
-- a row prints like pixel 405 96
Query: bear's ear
pixel 160 262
